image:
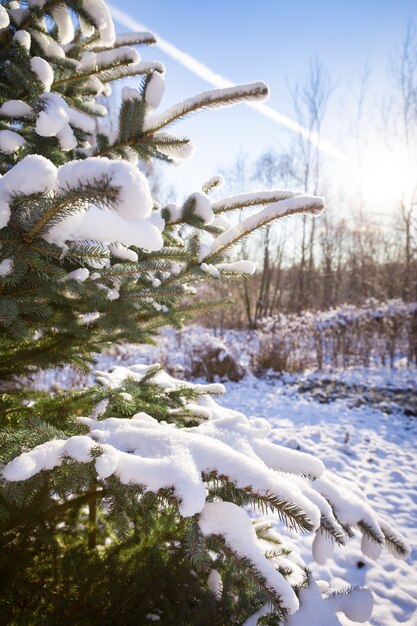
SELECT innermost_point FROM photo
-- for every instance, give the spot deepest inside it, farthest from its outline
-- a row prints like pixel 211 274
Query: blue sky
pixel 271 41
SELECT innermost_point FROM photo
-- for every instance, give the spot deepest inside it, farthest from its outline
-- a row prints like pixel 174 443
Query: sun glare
pixel 386 177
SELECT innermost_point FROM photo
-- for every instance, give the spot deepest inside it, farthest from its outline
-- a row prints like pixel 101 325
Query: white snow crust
pixel 252 198
pixel 16 12
pixel 129 222
pixel 145 452
pixel 130 93
pixel 33 174
pixel 317 609
pixel 125 55
pixel 240 267
pixel 105 226
pixel 22 37
pixel 63 21
pixel 43 71
pixel 323 547
pixel 4 17
pixel 133 39
pixel 213 182
pixel 56 119
pixel 233 524
pixel 202 207
pixel 6 267
pixel 102 18
pixel 215 583
pixel 10 141
pixel 210 269
pixel 80 275
pixel 121 252
pixel 49 46
pixel 156 455
pixel 15 108
pixel 155 90
pixel 133 198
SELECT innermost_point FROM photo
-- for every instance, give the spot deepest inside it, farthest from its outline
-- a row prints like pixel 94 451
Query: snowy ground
pixel 371 448
pixel 373 443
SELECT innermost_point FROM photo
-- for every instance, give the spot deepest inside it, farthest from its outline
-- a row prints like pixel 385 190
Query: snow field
pixel 369 449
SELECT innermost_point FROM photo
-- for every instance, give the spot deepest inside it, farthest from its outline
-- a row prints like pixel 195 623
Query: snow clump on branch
pixel 229 449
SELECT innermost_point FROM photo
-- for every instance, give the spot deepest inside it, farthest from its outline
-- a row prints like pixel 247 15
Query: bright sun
pixel 386 176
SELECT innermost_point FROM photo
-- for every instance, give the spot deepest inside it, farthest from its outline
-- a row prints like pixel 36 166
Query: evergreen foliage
pixel 88 259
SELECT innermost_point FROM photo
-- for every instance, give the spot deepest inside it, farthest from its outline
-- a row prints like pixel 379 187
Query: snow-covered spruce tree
pixel 141 510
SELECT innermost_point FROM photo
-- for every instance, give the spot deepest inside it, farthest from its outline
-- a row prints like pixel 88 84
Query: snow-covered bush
pixel 130 501
pixel 377 333
pixel 197 353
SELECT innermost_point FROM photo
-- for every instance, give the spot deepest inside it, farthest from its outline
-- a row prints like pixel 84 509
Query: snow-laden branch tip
pixel 129 39
pixel 248 199
pixel 208 99
pixel 296 205
pixel 229 447
pixel 233 524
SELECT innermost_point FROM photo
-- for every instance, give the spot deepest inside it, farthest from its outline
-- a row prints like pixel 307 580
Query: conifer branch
pixel 298 205
pixel 395 542
pixel 148 145
pixel 109 73
pixel 97 191
pixel 334 532
pixel 127 39
pixel 291 514
pixel 33 13
pixel 366 529
pixel 77 502
pixel 207 99
pixel 138 69
pixel 250 199
pixel 251 570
